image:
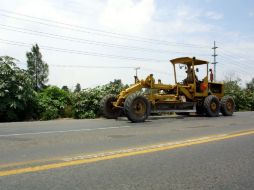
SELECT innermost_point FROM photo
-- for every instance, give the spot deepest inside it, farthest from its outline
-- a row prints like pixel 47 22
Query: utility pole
pixel 136 73
pixel 214 59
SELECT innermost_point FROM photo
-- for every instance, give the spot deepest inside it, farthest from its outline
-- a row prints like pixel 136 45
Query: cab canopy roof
pixel 188 61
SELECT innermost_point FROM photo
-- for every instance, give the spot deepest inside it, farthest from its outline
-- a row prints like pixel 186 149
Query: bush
pixel 87 101
pixel 243 97
pixel 17 97
pixel 50 113
pixel 53 103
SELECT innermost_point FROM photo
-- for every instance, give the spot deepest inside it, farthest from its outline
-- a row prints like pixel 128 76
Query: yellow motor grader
pixel 202 96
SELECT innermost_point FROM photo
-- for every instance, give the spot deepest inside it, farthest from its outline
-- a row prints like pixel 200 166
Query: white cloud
pixel 44 9
pixel 214 15
pixel 127 15
pixel 183 20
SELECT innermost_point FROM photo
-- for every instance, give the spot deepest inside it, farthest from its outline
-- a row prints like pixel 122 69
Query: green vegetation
pixel 17 96
pixel 53 103
pixel 87 102
pixel 37 68
pixel 77 88
pixel 20 101
pixel 25 96
pixel 243 97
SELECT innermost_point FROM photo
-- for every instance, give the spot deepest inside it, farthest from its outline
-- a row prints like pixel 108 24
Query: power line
pixel 238 67
pixel 229 53
pixel 235 58
pixel 81 52
pixel 93 67
pixel 83 41
pixel 93 31
pixel 110 67
pixel 85 66
pixel 101 67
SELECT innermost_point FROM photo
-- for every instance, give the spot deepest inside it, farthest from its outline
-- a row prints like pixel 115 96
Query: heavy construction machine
pixel 202 96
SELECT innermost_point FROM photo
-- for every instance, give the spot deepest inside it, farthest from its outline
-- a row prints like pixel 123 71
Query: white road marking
pixel 64 131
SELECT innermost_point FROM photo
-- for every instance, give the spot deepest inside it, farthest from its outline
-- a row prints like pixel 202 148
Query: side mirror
pixel 180 66
pixel 197 70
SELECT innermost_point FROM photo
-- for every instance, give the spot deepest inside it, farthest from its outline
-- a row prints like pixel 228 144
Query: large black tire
pixel 227 106
pixel 107 108
pixel 137 108
pixel 212 106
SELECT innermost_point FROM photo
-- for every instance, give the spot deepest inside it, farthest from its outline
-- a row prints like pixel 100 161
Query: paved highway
pixel 162 153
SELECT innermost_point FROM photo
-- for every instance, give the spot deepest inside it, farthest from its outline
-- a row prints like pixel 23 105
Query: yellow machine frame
pixel 190 95
pixel 178 90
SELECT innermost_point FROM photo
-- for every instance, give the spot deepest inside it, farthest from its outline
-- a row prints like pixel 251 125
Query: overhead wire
pixel 85 41
pixel 241 65
pixel 81 52
pixel 68 26
pixel 239 54
pixel 237 58
pixel 101 67
pixel 103 55
pixel 91 30
pixel 237 67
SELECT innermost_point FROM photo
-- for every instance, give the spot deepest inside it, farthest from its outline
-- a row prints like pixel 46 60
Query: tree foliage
pixel 65 88
pixel 37 68
pixel 243 97
pixel 250 85
pixel 77 88
pixel 53 103
pixel 87 101
pixel 17 96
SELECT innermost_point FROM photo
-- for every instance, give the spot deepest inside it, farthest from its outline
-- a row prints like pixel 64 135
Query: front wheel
pixel 107 108
pixel 137 107
pixel 227 106
pixel 212 106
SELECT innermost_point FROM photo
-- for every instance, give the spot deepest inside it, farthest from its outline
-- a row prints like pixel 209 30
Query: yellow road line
pixel 123 154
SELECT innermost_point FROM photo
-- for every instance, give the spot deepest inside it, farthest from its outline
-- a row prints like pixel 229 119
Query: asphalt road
pixel 162 153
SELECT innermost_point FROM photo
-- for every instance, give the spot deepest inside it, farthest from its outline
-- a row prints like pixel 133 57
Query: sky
pixel 92 42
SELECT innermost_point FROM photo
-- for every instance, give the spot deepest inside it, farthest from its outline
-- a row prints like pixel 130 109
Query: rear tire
pixel 227 106
pixel 107 108
pixel 212 106
pixel 137 108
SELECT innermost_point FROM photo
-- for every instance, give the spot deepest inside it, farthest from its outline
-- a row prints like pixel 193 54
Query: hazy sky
pixel 83 41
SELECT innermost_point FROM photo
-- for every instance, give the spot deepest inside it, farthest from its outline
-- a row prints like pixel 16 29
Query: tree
pixel 115 87
pixel 250 92
pixel 250 85
pixel 77 88
pixel 17 97
pixel 37 68
pixel 241 96
pixel 86 103
pixel 65 88
pixel 53 103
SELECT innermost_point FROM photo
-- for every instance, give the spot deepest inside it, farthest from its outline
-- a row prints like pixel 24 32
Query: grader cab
pixel 192 94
